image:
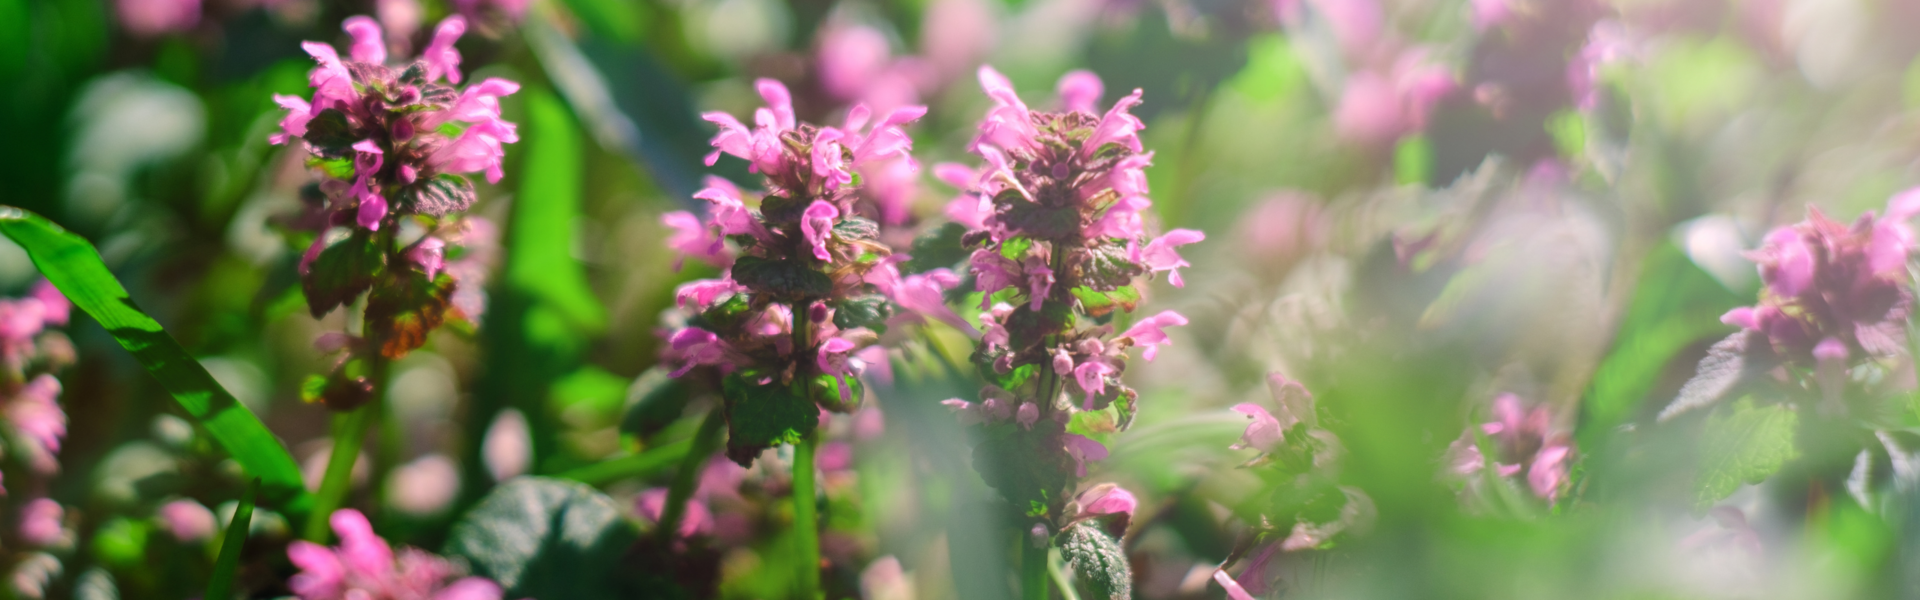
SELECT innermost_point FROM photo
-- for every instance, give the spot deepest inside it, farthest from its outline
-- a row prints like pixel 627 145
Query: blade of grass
pixel 72 264
pixel 225 567
pixel 629 467
pixel 349 433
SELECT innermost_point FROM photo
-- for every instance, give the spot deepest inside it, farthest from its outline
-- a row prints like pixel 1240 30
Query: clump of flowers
pixel 1060 243
pixel 1519 444
pixel 1835 291
pixel 364 567
pixel 807 289
pixel 393 146
pixel 1301 507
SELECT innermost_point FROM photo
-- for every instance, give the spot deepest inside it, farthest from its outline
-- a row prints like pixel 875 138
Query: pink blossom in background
pixel 955 35
pixel 54 307
pixel 42 523
pixel 364 567
pixel 188 521
pixel 849 58
pixel 1357 24
pixel 1263 434
pixel 1525 443
pixel 35 413
pixel 401 19
pixel 1080 91
pixel 425 486
pixel 697 520
pixel 152 18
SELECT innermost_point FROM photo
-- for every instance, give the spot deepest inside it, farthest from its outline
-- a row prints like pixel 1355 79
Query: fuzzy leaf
pixel 341 272
pixel 787 280
pixel 761 416
pixel 1098 561
pixel 444 193
pixel 937 248
pixel 546 538
pixel 870 312
pixel 1744 444
pixel 405 308
pixel 1106 268
pixel 1044 222
pixel 1729 362
pixel 856 228
pixel 330 134
pixel 1098 304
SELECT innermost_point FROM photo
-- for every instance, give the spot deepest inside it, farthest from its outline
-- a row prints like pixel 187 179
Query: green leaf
pixel 1098 304
pixel 856 228
pixel 1106 267
pixel 405 308
pixel 654 402
pixel 1675 305
pixel 1413 161
pixel 1098 562
pixel 784 279
pixel 761 416
pixel 546 538
pixel 75 268
pixel 330 134
pixel 444 193
pixel 1041 221
pixel 937 248
pixel 342 271
pixel 870 311
pixel 220 587
pixel 633 466
pixel 1744 444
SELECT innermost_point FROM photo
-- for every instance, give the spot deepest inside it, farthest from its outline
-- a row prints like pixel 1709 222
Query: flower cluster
pixel 1057 236
pixel 1834 291
pixel 1524 444
pixel 1302 506
pixel 393 146
pixel 30 355
pixel 809 285
pixel 364 567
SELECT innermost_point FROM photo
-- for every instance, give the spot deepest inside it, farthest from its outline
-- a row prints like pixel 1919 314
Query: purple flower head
pixel 693 238
pixel 1832 287
pixel 363 566
pixel 700 347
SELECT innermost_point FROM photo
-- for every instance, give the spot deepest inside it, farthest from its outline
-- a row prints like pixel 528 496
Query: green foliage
pixel 444 193
pixel 344 270
pixel 937 247
pixel 1675 304
pixel 227 565
pixel 788 280
pixel 1098 561
pixel 76 269
pixel 870 311
pixel 405 308
pixel 654 402
pixel 330 134
pixel 1099 304
pixel 1743 444
pixel 546 538
pixel 763 415
pixel 856 228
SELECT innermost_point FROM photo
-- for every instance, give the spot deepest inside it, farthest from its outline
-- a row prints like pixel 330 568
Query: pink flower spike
pixel 368 47
pixel 321 573
pixel 816 224
pixel 1111 500
pixel 1083 449
pixel 441 58
pixel 1786 262
pixel 1234 591
pixel 1263 434
pixel 1548 471
pixel 1150 333
pixel 361 550
pixel 1079 91
pixel 1159 255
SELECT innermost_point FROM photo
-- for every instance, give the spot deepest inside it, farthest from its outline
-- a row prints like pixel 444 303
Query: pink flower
pixel 832 360
pixel 1117 127
pixel 1092 378
pixel 441 58
pixel 728 211
pixel 1234 591
pixel 1008 124
pixel 430 254
pixel 1027 415
pixel 364 567
pixel 968 209
pixel 816 224
pixel 697 520
pixel 41 523
pixel 1079 91
pixel 850 58
pixel 1108 499
pixel 295 123
pixel 367 160
pixel 368 47
pixel 1083 449
pixel 925 294
pixel 992 273
pixel 700 347
pixel 1264 433
pixel 1149 332
pixel 39 418
pixel 188 521
pixel 693 238
pixel 698 295
pixel 1548 471
pixel 1159 255
pixel 1828 280
pixel 151 18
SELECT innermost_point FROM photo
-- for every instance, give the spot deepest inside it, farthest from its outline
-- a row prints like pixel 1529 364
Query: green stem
pixel 220 585
pixel 806 528
pixel 704 443
pixel 349 433
pixel 1033 570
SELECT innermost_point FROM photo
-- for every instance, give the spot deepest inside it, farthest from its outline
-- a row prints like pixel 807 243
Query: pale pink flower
pixel 364 567
pixel 817 224
pixel 1264 433
pixel 1150 332
pixel 152 18
pixel 39 418
pixel 42 523
pixel 1159 254
pixel 188 521
pixel 1083 449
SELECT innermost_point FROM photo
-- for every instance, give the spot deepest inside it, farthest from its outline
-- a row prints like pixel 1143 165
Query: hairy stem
pixel 806 528
pixel 1033 570
pixel 349 433
pixel 704 443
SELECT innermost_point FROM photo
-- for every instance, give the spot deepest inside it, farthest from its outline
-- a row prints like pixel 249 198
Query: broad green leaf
pixel 785 279
pixel 342 271
pixel 546 538
pixel 444 193
pixel 1742 444
pixel 220 587
pixel 871 312
pixel 1098 562
pixel 75 268
pixel 1097 304
pixel 761 416
pixel 937 248
pixel 654 401
pixel 1675 305
pixel 405 308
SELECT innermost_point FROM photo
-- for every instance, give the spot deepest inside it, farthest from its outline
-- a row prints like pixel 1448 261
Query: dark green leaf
pixel 870 312
pixel 1744 444
pixel 856 228
pixel 1044 222
pixel 760 416
pixel 444 193
pixel 936 248
pixel 404 308
pixel 330 134
pixel 342 271
pixel 1098 562
pixel 1675 305
pixel 1741 357
pixel 545 538
pixel 1106 268
pixel 220 587
pixel 784 279
pixel 76 269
